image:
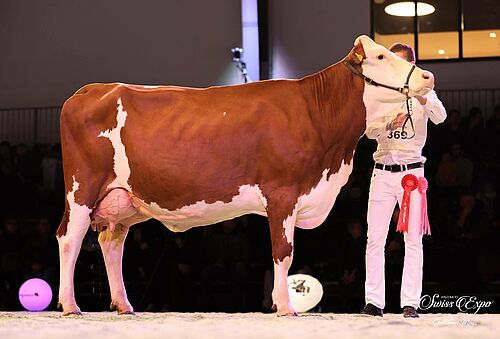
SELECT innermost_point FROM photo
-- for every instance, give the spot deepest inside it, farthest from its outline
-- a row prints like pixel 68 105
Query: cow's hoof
pixel 72 311
pixel 287 311
pixel 69 309
pixel 126 310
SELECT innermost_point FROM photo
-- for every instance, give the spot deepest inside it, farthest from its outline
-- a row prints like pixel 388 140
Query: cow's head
pixel 384 67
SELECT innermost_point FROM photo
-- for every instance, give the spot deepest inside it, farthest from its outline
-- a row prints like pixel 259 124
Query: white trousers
pixel 385 190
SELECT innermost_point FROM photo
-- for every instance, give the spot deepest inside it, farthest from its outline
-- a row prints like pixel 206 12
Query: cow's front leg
pixel 112 249
pixel 70 242
pixel 282 229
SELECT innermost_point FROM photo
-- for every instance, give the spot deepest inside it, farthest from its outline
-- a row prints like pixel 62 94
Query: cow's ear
pixel 357 54
pixel 363 38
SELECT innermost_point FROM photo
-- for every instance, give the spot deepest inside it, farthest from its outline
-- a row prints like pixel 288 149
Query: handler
pixel 400 141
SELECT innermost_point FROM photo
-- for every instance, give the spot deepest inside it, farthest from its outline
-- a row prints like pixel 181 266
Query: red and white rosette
pixel 409 183
pixel 425 227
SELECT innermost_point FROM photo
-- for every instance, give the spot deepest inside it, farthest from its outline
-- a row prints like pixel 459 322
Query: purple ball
pixel 35 294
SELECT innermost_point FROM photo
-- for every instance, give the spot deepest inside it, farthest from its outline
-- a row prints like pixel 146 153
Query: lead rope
pixel 409 109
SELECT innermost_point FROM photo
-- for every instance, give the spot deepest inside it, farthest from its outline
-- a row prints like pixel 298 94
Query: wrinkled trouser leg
pixel 381 204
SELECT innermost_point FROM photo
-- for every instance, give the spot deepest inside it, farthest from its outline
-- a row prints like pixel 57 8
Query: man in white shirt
pixel 399 152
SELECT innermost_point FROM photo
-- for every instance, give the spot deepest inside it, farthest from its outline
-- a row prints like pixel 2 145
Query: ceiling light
pixel 493 35
pixel 441 51
pixel 407 8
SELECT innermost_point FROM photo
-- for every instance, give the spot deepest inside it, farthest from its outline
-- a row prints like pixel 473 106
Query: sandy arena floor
pixel 245 325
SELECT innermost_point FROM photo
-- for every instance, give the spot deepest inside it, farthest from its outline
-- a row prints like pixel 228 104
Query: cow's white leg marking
pixel 69 247
pixel 121 165
pixel 280 294
pixel 112 249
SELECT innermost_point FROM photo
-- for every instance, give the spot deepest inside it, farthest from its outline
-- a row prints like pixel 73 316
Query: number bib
pixel 397 134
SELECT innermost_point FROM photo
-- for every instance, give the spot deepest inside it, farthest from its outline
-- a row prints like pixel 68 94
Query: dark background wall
pixel 307 36
pixel 51 48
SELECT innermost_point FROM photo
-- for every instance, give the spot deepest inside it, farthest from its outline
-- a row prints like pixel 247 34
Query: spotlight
pixel 407 8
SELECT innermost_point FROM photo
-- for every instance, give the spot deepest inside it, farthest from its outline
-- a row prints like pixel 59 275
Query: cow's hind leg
pixel 282 226
pixel 112 249
pixel 70 234
pixel 118 213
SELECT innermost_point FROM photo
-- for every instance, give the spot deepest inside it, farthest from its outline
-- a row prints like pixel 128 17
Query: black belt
pixel 399 168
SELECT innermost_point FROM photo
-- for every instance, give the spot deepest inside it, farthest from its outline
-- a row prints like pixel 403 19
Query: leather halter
pixel 403 90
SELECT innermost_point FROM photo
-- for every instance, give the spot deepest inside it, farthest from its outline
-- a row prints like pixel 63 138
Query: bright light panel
pixel 407 8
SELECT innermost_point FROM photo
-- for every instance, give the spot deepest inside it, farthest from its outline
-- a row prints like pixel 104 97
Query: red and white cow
pixel 191 157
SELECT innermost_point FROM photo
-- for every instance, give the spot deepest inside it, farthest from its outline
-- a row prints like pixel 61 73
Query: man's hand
pixel 422 100
pixel 397 121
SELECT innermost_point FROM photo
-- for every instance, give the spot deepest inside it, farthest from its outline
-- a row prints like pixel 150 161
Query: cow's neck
pixel 335 98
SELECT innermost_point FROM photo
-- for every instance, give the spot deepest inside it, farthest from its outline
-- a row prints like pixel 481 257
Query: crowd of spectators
pixel 228 266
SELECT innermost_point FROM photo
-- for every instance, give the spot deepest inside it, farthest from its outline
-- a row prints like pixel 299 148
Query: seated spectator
pixel 143 255
pixel 491 139
pixel 41 251
pixel 6 153
pixel 227 256
pixel 464 166
pixel 447 172
pixel 352 266
pixel 474 134
pixel 470 217
pixel 11 263
pixel 451 131
pixel 11 185
pixel 24 163
pixel 353 250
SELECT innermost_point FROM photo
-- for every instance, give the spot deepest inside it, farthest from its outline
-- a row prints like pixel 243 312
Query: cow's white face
pixel 387 68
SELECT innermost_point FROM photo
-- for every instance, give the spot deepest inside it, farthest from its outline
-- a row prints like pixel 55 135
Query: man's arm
pixel 376 127
pixel 433 107
pixel 383 124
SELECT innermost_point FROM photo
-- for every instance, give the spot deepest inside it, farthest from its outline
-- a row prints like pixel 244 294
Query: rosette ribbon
pixel 409 183
pixel 425 228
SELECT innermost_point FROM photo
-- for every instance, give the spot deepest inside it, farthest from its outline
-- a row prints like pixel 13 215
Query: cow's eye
pixel 380 57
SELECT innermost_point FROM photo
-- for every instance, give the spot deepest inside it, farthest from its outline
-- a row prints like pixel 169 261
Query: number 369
pixel 397 135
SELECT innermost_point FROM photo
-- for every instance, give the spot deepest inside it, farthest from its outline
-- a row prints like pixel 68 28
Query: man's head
pixel 403 51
